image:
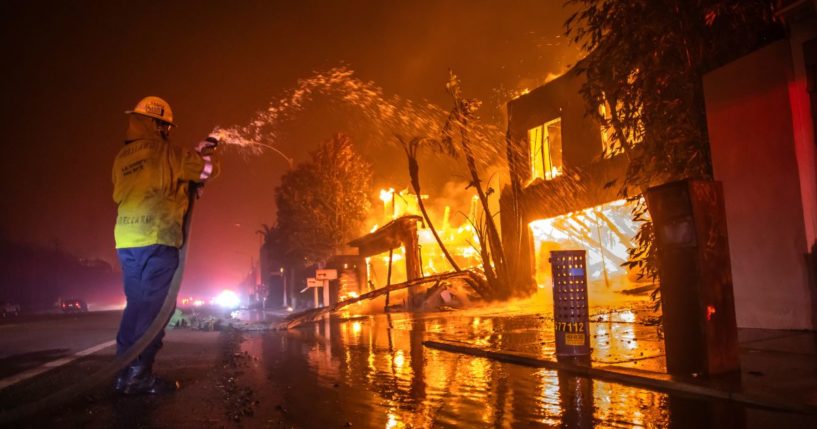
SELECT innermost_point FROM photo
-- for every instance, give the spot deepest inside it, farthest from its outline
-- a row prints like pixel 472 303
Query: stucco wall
pixel 752 136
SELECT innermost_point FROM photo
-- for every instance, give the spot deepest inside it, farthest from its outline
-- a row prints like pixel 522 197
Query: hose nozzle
pixel 213 138
pixel 208 145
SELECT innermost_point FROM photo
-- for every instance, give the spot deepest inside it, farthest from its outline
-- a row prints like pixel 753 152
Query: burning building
pixel 401 233
pixel 562 193
pixel 760 112
pixel 404 248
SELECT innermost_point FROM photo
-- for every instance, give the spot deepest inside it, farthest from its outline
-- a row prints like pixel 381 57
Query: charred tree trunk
pixel 460 117
pixel 494 242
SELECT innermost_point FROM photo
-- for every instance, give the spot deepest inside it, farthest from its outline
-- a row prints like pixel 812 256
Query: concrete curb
pixel 630 377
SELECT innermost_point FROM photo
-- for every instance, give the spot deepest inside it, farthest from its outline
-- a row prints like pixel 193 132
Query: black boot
pixel 141 381
pixel 121 380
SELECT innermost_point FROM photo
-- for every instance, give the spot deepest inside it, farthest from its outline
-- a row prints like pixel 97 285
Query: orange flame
pixel 710 310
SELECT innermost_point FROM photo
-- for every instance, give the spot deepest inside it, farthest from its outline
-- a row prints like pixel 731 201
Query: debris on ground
pixel 239 401
pixel 471 288
pixel 177 320
pixel 446 296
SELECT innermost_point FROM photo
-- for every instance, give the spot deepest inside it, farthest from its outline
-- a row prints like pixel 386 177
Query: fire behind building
pixel 563 192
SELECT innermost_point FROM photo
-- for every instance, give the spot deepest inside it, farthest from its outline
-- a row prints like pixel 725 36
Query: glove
pixel 205 149
pixel 207 146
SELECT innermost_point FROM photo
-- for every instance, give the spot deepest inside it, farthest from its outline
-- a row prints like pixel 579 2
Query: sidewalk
pixel 778 368
pixel 780 363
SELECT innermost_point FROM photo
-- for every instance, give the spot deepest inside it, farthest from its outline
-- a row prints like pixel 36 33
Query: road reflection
pixel 375 372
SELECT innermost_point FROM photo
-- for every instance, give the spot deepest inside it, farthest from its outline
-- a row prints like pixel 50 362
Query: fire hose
pixel 107 373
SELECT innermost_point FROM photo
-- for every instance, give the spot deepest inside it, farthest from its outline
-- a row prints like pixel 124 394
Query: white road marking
pixel 48 366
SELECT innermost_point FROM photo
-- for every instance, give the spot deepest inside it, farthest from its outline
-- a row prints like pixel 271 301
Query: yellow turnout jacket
pixel 150 181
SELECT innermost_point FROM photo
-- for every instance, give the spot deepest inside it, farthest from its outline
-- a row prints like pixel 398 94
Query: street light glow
pixel 227 299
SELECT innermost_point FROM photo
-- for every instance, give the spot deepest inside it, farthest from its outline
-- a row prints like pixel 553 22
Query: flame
pixel 459 238
pixel 348 295
pixel 399 359
pixel 386 195
pixel 519 93
pixel 605 232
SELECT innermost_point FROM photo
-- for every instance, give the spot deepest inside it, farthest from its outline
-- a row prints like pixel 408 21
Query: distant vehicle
pixel 9 309
pixel 74 306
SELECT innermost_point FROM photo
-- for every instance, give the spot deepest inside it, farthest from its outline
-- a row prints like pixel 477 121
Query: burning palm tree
pixel 411 149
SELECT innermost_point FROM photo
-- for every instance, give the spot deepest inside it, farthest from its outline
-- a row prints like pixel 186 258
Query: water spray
pixel 387 115
pixel 230 138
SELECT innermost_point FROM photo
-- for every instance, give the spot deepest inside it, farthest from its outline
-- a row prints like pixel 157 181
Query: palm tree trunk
pixel 414 173
pixel 494 242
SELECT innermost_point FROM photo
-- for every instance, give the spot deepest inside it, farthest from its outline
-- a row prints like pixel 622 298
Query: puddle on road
pixel 374 372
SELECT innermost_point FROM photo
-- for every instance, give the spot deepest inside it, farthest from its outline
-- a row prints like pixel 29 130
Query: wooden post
pixel 388 279
pixel 284 287
pixel 411 244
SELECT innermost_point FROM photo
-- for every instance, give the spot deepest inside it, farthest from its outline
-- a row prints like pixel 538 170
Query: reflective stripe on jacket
pixel 150 178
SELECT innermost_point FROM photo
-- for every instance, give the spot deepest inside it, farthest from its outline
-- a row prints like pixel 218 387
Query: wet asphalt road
pixel 373 371
pixel 194 362
pixel 29 341
pixel 366 372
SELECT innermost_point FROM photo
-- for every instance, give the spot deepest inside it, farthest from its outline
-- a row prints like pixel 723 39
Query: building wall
pixel 581 136
pixel 754 136
pixel 803 95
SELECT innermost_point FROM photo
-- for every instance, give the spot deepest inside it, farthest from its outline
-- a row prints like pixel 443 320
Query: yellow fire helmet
pixel 154 107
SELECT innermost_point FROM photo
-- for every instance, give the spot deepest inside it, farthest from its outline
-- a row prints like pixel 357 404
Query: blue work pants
pixel 148 272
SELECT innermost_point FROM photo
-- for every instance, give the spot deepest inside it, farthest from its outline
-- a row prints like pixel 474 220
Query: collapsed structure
pixel 399 233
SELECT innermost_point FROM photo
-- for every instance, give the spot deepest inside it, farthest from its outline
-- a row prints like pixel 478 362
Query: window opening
pixel 546 150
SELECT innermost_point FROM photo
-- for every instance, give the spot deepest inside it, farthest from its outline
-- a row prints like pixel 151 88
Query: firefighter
pixel 151 177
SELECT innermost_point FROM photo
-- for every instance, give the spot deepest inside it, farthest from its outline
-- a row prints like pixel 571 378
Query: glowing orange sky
pixel 71 71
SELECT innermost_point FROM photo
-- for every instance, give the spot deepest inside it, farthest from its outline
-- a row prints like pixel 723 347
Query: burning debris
pixel 454 281
pixel 459 238
pixel 392 116
pixel 605 231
